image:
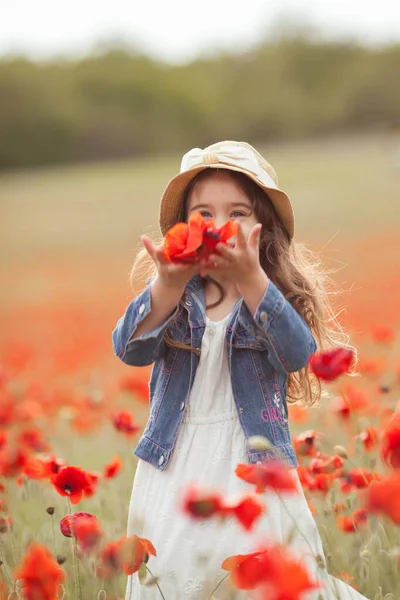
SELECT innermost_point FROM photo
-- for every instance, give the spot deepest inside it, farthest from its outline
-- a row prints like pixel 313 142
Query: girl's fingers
pixel 224 250
pixel 148 244
pixel 254 237
pixel 240 238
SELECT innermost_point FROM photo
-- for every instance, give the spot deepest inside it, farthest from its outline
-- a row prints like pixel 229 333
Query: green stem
pixel 217 586
pixel 75 566
pixel 304 538
pixel 156 582
pixel 54 535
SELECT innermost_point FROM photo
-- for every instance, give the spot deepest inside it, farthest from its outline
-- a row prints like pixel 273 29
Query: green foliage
pixel 117 104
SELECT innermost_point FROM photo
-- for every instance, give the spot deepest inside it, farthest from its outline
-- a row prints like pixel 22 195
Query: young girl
pixel 230 339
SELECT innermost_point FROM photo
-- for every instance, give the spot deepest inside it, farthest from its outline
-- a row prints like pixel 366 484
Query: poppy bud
pixel 50 510
pixel 341 451
pixel 259 443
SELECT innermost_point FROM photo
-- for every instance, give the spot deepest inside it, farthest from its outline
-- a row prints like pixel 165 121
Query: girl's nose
pixel 220 219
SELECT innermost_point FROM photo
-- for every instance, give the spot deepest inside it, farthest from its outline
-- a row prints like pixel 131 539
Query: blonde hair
pixel 295 269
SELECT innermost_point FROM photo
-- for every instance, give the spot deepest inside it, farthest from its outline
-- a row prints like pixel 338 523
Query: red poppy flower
pixel 330 364
pixel 273 474
pixel 137 385
pixel 354 522
pixel 124 422
pixel 390 442
pixel 357 479
pixel 369 438
pixel 73 482
pixel 12 461
pixel 320 482
pixel 325 464
pixel 113 468
pixel 383 335
pixel 188 242
pixel 125 554
pixel 133 552
pixel 109 560
pixel 67 523
pixel 40 574
pixel 88 532
pixel 275 572
pixel 304 443
pixel 32 439
pixel 383 497
pixel 351 400
pixel 201 506
pixel 248 570
pixel 247 511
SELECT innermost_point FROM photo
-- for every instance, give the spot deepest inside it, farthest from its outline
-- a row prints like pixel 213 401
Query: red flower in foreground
pixel 383 497
pixel 275 572
pixel 40 574
pixel 329 365
pixel 123 422
pixel 248 570
pixel 113 468
pixel 273 474
pixel 247 511
pixel 189 242
pixel 390 444
pixel 125 554
pixel 88 532
pixel 203 506
pixel 73 482
pixel 67 523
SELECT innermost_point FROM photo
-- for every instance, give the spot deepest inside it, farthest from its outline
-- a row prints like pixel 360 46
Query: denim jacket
pixel 262 350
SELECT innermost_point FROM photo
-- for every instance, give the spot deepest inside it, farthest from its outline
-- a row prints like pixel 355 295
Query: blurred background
pixel 99 101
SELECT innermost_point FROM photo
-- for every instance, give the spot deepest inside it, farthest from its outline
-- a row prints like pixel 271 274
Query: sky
pixel 178 31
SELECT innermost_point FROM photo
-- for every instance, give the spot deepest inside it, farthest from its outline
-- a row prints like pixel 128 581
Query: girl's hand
pixel 241 263
pixel 170 275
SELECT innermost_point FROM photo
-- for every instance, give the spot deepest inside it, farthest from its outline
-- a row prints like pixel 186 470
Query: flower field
pixel 71 412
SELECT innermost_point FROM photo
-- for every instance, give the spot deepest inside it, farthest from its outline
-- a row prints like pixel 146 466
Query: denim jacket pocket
pixel 245 337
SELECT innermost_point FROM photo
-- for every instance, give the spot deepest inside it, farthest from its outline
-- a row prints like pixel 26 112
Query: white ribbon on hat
pixel 236 156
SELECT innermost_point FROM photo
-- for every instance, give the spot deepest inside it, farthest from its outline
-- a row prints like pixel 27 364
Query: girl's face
pixel 220 197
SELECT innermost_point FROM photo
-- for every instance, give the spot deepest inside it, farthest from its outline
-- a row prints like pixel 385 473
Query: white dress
pixel 209 445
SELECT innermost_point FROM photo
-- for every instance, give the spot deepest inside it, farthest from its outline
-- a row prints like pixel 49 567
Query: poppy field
pixel 71 411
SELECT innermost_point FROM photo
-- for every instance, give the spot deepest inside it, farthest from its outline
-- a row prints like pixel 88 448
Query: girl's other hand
pixel 241 263
pixel 170 275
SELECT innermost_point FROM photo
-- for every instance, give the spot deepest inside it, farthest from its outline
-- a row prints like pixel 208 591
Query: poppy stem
pixel 217 586
pixel 156 582
pixel 305 539
pixel 54 535
pixel 75 564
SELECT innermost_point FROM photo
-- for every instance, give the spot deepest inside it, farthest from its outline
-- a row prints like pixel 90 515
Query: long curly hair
pixel 296 270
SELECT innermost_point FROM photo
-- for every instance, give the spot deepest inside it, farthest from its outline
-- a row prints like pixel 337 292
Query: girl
pixel 230 340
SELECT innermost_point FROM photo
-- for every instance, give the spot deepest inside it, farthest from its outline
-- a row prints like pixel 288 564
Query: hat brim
pixel 171 200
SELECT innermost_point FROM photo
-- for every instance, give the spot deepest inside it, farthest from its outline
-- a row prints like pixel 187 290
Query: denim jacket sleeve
pixel 147 348
pixel 288 337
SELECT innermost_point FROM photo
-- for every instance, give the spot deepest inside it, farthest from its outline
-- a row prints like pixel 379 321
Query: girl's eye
pixel 237 214
pixel 206 214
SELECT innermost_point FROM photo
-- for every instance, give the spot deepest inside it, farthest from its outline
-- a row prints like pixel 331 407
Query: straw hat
pixel 233 156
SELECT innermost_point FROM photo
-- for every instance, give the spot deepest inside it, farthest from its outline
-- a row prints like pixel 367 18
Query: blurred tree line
pixel 122 104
